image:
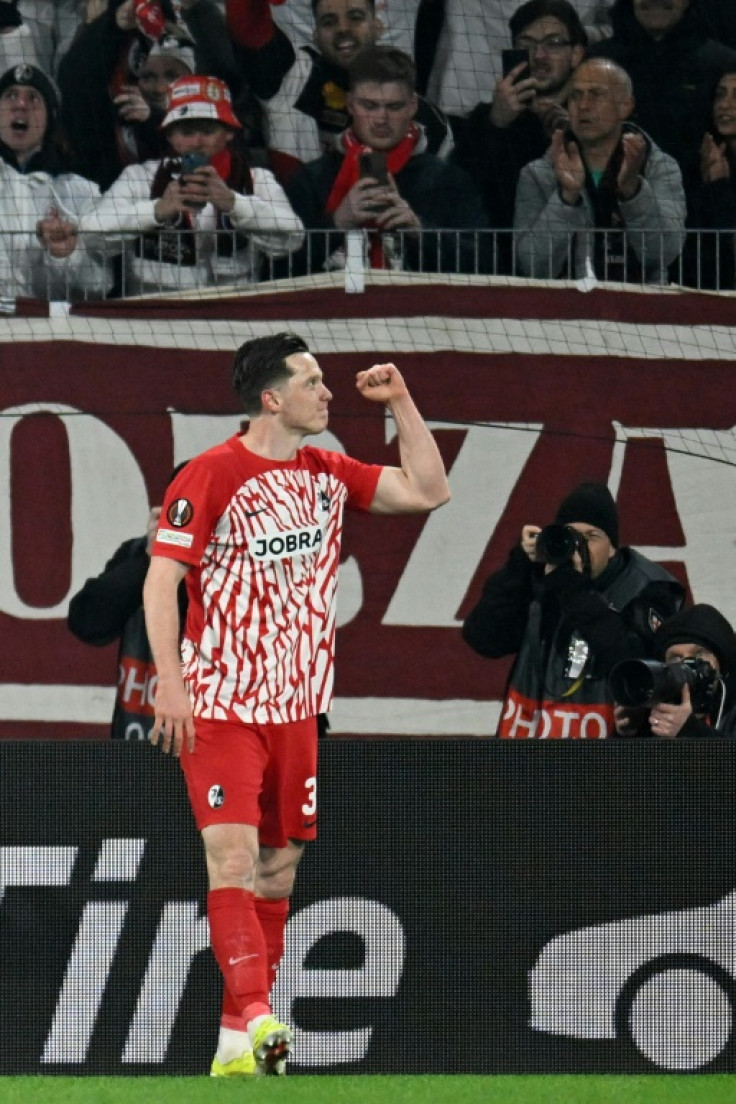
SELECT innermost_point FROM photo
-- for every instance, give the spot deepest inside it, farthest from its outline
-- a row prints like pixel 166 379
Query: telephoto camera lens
pixel 646 682
pixel 556 544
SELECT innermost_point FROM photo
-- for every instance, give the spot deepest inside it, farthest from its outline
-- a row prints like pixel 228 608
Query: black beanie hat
pixel 34 78
pixel 9 14
pixel 701 624
pixel 593 504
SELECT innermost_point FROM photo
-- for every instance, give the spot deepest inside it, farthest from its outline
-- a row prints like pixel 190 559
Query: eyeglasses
pixel 552 44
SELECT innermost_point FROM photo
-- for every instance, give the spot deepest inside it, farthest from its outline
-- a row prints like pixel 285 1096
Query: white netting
pixel 528 389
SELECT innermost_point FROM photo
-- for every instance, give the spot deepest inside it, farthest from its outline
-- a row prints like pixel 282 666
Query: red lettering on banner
pixel 517 430
pixel 137 685
pixel 524 719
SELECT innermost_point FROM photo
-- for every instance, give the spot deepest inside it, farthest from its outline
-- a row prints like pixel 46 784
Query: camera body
pixel 557 544
pixel 642 683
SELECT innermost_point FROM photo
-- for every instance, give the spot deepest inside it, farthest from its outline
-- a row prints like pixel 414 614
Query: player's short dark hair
pixel 555 9
pixel 260 364
pixel 315 4
pixel 382 65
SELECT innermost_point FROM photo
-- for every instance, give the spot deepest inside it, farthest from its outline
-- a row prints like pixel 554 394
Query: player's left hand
pixel 382 383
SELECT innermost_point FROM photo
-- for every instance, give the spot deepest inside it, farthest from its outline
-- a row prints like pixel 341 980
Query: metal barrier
pixel 168 261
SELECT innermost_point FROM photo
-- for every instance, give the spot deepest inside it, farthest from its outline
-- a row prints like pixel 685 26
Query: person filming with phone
pixel 202 215
pixel 382 180
pixel 497 139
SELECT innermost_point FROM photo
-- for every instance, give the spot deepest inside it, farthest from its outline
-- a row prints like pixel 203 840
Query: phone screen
pixel 192 161
pixel 373 164
pixel 511 58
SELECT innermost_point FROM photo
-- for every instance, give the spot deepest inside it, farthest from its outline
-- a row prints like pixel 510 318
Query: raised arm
pixel 420 483
pixel 549 208
pixel 654 207
pixel 266 54
pixel 172 706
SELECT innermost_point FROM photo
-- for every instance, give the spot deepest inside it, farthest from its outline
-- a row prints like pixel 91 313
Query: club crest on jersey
pixel 180 512
pixel 281 546
pixel 324 500
pixel 216 797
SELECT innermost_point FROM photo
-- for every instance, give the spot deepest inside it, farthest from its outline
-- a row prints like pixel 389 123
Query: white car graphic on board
pixel 667 981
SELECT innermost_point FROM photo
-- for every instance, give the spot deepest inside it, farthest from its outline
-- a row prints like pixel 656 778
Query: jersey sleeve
pixel 360 479
pixel 192 506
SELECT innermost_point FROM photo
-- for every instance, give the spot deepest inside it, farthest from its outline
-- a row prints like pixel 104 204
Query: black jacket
pixel 441 194
pixel 568 632
pixel 673 80
pixel 494 156
pixel 701 728
pixel 713 264
pixel 110 607
pixel 720 18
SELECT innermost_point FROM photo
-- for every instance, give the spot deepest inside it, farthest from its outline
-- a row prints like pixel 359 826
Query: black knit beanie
pixel 35 78
pixel 701 624
pixel 591 503
pixel 9 14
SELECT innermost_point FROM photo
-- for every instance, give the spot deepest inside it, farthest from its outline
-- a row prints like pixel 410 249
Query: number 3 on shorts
pixel 309 808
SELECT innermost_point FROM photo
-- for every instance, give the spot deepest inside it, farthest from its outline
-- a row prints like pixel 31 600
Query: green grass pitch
pixel 435 1089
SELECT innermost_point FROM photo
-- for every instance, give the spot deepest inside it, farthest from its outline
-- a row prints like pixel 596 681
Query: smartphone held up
pixel 510 59
pixel 373 166
pixel 190 162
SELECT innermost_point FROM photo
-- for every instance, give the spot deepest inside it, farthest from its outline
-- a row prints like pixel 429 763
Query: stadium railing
pixel 161 263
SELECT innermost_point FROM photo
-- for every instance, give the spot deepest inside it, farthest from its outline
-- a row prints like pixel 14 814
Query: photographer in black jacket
pixel 570 622
pixel 110 607
pixel 704 703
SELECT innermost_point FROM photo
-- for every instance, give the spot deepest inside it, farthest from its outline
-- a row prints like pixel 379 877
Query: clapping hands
pixel 714 164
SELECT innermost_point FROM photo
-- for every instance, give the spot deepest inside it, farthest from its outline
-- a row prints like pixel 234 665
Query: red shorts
pixel 260 774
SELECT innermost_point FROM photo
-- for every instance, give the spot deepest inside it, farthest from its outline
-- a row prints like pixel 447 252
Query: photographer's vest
pixel 554 692
pixel 133 714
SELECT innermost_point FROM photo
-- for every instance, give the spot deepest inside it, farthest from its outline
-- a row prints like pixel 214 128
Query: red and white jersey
pixel 263 541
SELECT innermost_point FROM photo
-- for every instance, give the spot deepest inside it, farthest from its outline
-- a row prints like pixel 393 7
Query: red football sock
pixel 231 1016
pixel 239 947
pixel 272 913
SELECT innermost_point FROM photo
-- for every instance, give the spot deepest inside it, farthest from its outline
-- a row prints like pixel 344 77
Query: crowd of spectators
pixel 592 154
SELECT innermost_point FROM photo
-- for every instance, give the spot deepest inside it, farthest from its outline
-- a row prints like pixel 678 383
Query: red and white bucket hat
pixel 200 98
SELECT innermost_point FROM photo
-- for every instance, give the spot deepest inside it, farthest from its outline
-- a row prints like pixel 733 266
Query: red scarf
pixel 349 175
pixel 220 162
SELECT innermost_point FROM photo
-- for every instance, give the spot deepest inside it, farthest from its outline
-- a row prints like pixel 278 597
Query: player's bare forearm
pixel 420 484
pixel 173 721
pixel 421 463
